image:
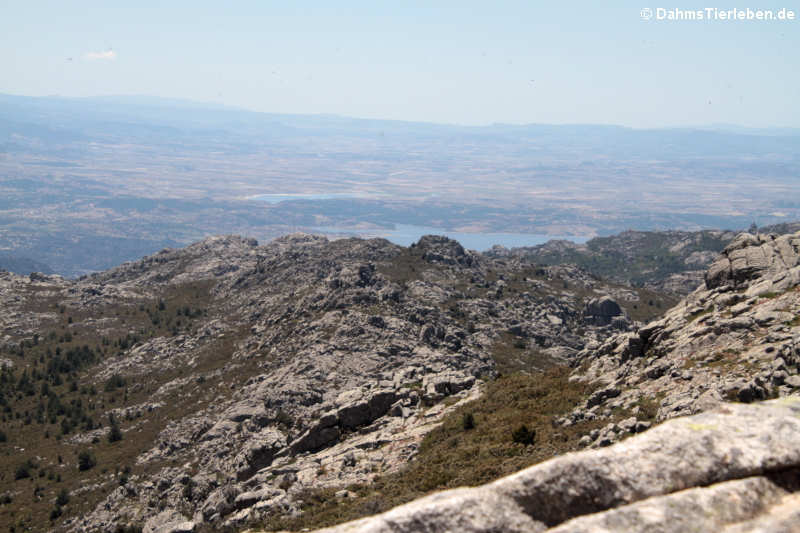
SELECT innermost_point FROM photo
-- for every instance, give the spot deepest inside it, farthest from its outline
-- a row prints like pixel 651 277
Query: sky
pixel 465 62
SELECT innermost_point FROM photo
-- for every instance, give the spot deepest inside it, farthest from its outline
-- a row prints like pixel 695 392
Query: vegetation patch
pixel 771 295
pixel 648 406
pixel 509 428
pixel 512 354
pixel 50 395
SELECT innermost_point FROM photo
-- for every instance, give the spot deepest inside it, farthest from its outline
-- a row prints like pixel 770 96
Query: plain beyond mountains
pixel 88 183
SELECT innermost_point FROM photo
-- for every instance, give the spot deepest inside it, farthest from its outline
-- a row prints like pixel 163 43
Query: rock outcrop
pixel 243 376
pixel 253 373
pixel 772 260
pixel 604 311
pixel 736 468
pixel 735 338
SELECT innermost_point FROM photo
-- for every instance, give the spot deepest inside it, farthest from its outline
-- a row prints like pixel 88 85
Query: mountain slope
pixel 290 384
pixel 666 261
pixel 732 467
pixel 240 376
pixel 737 337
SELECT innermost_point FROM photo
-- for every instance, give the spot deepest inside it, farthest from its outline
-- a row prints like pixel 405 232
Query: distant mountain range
pixel 101 117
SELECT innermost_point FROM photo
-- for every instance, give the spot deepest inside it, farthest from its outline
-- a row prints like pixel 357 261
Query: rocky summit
pixel 218 384
pixel 732 467
pixel 305 382
pixel 737 337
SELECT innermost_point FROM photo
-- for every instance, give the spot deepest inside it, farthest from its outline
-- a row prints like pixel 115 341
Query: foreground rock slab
pixel 736 468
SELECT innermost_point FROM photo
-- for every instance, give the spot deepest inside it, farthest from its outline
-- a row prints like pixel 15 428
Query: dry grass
pixel 515 354
pixel 452 456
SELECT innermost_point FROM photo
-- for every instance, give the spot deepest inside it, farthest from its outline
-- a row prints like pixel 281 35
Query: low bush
pixel 523 435
pixel 468 421
pixel 86 460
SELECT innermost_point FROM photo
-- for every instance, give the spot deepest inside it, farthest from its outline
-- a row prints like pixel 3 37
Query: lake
pixel 406 234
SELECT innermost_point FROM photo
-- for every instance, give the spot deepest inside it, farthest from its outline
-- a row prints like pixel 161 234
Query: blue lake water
pixel 405 234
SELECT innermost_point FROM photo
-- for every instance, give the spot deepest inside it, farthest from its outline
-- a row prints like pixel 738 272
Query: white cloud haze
pixel 107 55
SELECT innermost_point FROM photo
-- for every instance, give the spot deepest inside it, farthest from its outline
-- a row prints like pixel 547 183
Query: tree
pixel 56 512
pixel 86 460
pixel 23 471
pixel 114 434
pixel 468 421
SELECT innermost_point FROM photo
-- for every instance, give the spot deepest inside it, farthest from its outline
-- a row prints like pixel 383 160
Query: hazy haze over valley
pixel 518 118
pixel 89 183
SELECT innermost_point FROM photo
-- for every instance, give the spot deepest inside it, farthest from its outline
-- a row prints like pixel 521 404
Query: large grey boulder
pixel 168 521
pixel 601 311
pixel 735 467
pixel 750 257
pixel 441 249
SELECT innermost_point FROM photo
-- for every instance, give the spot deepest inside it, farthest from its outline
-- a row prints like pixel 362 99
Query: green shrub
pixel 56 512
pixel 114 434
pixel 114 382
pixel 523 435
pixel 63 498
pixel 23 471
pixel 86 460
pixel 468 421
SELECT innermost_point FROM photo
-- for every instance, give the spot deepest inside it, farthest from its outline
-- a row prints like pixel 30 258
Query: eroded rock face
pixel 602 311
pixel 336 359
pixel 169 521
pixel 735 338
pixel 774 260
pixel 736 467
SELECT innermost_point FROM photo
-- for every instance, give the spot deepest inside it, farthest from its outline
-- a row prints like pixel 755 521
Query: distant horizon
pixel 212 105
pixel 447 62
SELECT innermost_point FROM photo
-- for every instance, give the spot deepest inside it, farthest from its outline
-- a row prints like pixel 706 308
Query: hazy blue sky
pixel 462 62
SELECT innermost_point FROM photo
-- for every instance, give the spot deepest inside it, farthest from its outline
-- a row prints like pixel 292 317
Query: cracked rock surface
pixel 737 337
pixel 735 468
pixel 310 364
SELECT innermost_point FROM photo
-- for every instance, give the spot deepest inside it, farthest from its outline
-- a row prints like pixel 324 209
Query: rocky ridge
pixel 735 338
pixel 664 261
pixel 263 371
